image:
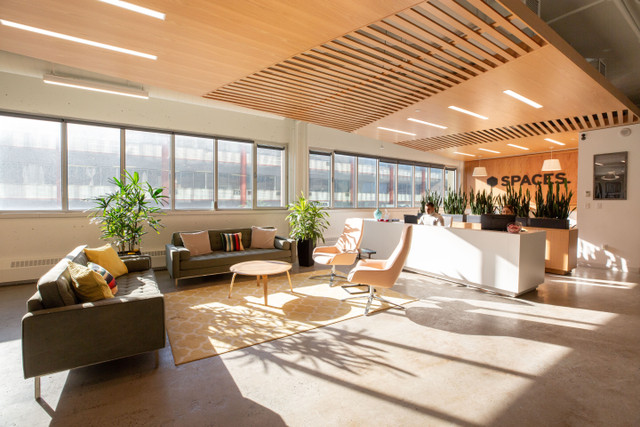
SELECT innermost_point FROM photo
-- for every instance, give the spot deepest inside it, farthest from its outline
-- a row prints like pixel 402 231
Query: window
pixel 386 184
pixel 420 186
pixel 344 177
pixel 405 181
pixel 270 170
pixel 320 178
pixel 367 169
pixel 436 181
pixel 235 166
pixel 30 171
pixel 93 159
pixel 148 153
pixel 194 172
pixel 450 177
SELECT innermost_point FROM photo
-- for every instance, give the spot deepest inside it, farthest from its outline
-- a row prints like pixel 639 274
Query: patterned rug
pixel 204 322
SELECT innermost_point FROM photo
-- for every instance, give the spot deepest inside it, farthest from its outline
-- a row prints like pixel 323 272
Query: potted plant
pixel 480 203
pixel 307 220
pixel 123 214
pixel 552 209
pixel 520 202
pixel 455 204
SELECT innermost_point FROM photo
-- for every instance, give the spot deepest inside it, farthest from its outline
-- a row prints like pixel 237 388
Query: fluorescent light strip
pixel 522 98
pixel 554 141
pixel 471 113
pixel 517 146
pixel 427 123
pixel 397 131
pixel 489 151
pixel 95 87
pixel 135 8
pixel 75 39
pixel 464 154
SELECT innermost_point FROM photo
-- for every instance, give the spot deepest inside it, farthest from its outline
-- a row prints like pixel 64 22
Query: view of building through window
pixel 235 165
pixel 194 172
pixel 270 171
pixel 320 178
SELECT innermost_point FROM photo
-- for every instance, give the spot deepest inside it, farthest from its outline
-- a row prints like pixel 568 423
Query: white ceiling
pixel 607 29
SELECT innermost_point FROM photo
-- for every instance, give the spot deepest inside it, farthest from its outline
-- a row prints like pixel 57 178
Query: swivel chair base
pixel 332 276
pixel 371 296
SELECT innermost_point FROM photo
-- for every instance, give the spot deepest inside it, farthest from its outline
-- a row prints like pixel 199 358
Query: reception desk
pixel 508 264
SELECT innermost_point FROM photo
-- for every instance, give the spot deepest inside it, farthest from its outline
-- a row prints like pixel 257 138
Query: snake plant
pixel 481 202
pixel 554 204
pixel 455 202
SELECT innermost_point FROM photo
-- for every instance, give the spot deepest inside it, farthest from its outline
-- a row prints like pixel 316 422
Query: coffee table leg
pixel 289 277
pixel 231 287
pixel 264 287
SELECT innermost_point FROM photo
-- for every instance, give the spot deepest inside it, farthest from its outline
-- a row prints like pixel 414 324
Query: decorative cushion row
pixel 221 258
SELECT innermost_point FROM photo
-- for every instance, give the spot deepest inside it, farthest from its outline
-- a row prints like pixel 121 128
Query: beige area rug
pixel 204 322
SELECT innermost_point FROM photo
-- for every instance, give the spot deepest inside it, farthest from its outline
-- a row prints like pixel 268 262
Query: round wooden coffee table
pixel 260 269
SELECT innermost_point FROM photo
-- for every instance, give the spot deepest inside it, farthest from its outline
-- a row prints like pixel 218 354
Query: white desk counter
pixel 509 264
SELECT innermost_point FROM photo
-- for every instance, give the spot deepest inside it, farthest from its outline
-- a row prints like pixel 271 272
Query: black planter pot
pixel 457 217
pixel 549 223
pixel 473 218
pixel 522 220
pixel 305 252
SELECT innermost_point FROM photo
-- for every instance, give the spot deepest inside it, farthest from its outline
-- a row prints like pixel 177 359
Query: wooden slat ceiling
pixel 354 66
pixel 386 66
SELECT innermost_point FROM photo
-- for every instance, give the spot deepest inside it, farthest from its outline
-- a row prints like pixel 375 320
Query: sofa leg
pixel 36 383
pixel 175 283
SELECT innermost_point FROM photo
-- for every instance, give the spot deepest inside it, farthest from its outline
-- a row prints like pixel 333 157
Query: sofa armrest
pixel 137 262
pixel 174 255
pixel 68 337
pixel 282 243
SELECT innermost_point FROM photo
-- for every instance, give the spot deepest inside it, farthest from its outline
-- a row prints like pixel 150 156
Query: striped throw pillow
pixel 232 242
pixel 108 277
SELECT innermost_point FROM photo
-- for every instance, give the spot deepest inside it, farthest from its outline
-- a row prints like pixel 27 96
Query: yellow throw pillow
pixel 107 257
pixel 87 284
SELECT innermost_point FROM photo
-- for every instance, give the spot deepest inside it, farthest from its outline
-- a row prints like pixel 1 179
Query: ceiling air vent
pixel 598 64
pixel 533 5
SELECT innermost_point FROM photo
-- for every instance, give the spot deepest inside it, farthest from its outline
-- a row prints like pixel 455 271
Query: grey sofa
pixel 182 265
pixel 60 333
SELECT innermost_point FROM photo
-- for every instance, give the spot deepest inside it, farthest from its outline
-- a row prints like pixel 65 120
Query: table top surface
pixel 260 268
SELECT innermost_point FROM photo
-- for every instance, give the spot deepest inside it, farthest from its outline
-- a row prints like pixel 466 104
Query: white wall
pixel 41 236
pixel 608 234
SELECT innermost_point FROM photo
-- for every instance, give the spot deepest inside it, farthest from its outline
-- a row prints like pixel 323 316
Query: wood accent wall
pixel 522 168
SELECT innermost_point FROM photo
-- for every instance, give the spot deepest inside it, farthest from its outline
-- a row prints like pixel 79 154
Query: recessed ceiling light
pixel 75 39
pixel 517 146
pixel 471 113
pixel 522 98
pixel 427 123
pixel 397 131
pixel 554 141
pixel 464 154
pixel 490 151
pixel 135 8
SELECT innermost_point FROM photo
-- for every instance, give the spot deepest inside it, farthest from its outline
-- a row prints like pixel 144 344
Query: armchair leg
pixel 370 297
pixel 36 383
pixel 332 276
pixel 175 283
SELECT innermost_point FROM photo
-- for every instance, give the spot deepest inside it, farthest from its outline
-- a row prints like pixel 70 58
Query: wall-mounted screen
pixel 610 176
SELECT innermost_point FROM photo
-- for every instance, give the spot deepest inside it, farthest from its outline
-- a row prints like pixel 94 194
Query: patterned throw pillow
pixel 87 284
pixel 232 242
pixel 108 277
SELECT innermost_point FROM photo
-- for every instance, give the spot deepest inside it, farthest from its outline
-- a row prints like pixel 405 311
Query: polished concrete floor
pixel 567 354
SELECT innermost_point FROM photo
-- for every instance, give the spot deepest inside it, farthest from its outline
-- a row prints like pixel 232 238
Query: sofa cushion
pixel 55 287
pixel 108 277
pixel 197 243
pixel 138 284
pixel 88 284
pixel 222 258
pixel 216 239
pixel 232 242
pixel 107 257
pixel 262 238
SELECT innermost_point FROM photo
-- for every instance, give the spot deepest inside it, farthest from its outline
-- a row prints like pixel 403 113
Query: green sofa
pixel 60 333
pixel 182 265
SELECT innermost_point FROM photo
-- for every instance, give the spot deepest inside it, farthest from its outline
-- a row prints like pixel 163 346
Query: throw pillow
pixel 262 238
pixel 87 284
pixel 111 281
pixel 197 243
pixel 232 241
pixel 107 257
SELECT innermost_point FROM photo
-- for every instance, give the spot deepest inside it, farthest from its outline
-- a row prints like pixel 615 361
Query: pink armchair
pixel 344 252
